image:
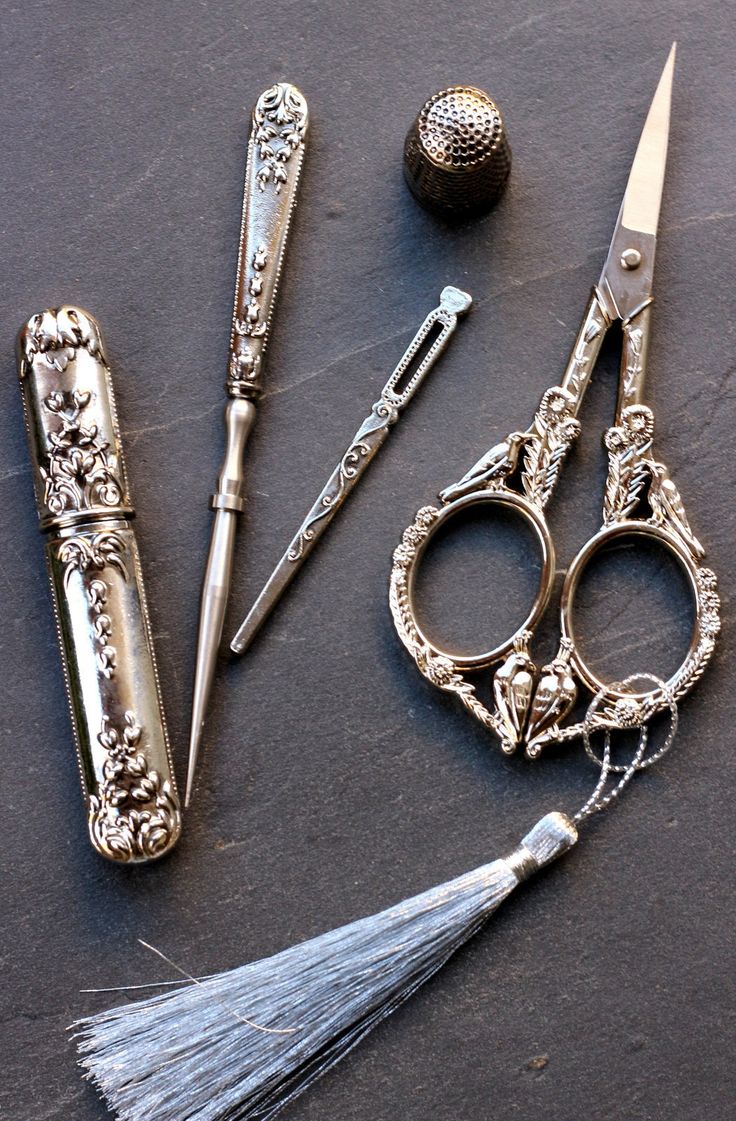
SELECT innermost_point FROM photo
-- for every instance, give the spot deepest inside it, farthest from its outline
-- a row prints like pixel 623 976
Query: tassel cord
pixel 599 799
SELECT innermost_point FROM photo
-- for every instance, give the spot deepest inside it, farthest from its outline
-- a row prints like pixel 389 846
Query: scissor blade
pixel 626 281
pixel 640 210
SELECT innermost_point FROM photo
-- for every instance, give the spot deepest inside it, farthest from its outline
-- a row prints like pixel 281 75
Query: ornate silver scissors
pixel 520 474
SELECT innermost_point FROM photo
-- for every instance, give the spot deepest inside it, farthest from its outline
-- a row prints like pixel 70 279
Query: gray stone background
pixel 335 780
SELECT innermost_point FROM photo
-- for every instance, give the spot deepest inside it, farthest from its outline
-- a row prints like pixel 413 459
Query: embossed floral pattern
pixel 640 496
pixel 134 815
pixel 55 334
pixel 555 428
pixel 281 119
pixel 94 554
pixel 78 475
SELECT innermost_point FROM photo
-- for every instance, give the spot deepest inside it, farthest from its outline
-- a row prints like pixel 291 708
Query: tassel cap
pixel 549 838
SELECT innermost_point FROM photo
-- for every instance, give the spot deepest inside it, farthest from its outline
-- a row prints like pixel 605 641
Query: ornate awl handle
pixel 275 155
pixel 94 567
pixel 395 395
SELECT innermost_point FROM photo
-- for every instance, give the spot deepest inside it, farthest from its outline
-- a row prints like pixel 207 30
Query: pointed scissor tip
pixel 646 180
pixel 664 87
pixel 672 56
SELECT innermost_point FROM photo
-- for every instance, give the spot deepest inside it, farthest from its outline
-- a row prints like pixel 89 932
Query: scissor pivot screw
pixel 630 259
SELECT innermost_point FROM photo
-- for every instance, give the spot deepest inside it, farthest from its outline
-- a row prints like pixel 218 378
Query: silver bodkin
pixel 434 334
pixel 133 810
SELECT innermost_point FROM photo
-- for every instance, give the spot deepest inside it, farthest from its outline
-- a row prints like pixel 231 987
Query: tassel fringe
pixel 240 1045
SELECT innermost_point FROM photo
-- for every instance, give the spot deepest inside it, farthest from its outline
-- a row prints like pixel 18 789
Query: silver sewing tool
pixel 457 157
pixel 395 395
pixel 133 812
pixel 641 500
pixel 275 156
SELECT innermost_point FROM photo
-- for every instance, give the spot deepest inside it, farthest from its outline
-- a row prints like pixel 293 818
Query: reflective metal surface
pixel 275 155
pixel 93 563
pixel 457 157
pixel 641 499
pixel 363 447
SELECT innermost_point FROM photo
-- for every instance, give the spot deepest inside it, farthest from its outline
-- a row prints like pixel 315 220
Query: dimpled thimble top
pixel 457 156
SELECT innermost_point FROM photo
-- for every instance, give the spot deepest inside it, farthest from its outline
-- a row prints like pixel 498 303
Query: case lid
pixel 73 430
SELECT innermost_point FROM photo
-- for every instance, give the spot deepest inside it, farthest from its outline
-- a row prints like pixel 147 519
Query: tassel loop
pixel 640 761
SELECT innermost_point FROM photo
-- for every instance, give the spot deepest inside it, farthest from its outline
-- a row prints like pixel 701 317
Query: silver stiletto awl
pixel 275 155
pixel 395 395
pixel 519 474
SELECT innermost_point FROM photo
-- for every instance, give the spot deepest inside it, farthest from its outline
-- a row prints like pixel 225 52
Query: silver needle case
pixel 102 620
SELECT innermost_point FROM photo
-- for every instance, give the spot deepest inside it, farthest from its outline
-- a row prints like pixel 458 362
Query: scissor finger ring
pixel 520 473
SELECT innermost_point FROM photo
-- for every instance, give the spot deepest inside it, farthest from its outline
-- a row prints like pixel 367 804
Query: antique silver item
pixel 102 620
pixel 274 161
pixel 395 395
pixel 457 157
pixel 641 499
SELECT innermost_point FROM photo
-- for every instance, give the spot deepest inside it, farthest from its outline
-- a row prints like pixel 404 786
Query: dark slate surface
pixel 335 780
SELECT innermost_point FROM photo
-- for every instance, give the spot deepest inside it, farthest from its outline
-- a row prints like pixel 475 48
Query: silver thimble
pixel 457 156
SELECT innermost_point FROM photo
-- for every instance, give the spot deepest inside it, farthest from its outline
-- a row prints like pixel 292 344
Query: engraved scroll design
pixel 78 475
pixel 382 416
pixel 578 373
pixel 634 369
pixel 94 554
pixel 280 117
pixel 134 815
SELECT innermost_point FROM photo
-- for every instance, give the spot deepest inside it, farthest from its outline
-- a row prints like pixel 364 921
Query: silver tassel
pixel 241 1044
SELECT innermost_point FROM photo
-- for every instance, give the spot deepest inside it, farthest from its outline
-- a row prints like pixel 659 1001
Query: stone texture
pixel 336 781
